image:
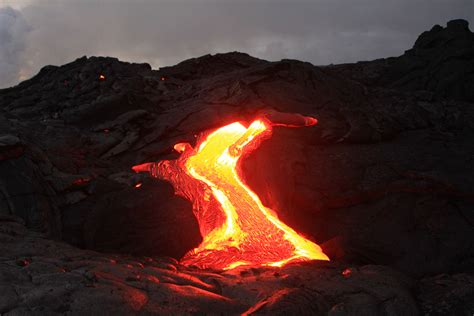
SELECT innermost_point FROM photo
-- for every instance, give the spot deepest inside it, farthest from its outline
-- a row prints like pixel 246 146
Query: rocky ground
pixel 384 182
pixel 41 276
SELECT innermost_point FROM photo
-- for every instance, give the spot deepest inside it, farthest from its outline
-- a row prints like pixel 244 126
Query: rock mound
pixel 441 61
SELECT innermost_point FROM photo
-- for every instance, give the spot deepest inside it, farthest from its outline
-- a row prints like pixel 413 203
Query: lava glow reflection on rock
pixel 237 228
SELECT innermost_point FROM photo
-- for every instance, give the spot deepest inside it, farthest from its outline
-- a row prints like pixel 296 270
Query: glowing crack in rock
pixel 237 229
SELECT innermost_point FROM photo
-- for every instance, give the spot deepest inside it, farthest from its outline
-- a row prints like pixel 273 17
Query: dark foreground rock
pixel 39 276
pixel 384 182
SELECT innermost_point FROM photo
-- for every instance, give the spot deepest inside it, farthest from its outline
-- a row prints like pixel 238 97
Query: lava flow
pixel 237 229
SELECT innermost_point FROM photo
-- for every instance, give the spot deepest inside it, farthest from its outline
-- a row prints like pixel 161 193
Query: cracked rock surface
pixel 384 183
pixel 41 276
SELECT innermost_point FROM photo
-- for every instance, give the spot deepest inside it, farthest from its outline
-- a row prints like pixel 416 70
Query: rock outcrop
pixel 41 276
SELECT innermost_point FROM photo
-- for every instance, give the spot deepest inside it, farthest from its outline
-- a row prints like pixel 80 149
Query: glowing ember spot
pixel 309 121
pixel 139 184
pixel 101 77
pixel 237 229
pixel 346 273
pixel 162 78
pixel 180 147
pixel 81 181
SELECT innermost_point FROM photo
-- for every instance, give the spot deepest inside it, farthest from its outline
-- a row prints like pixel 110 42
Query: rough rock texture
pixel 41 276
pixel 384 182
pixel 441 62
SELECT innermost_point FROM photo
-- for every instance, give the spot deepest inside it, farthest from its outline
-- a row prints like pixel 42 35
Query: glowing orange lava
pixel 237 228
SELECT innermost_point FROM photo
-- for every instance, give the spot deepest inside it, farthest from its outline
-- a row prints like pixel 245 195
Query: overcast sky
pixel 34 33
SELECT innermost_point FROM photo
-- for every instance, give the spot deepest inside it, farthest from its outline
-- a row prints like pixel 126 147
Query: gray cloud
pixel 166 32
pixel 13 34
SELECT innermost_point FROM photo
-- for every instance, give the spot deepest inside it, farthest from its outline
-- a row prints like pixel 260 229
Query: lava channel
pixel 237 229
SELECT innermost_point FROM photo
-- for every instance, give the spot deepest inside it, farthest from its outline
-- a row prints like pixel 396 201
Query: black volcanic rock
pixel 385 178
pixel 440 64
pixel 441 61
pixel 53 278
pixel 210 65
pixel 41 276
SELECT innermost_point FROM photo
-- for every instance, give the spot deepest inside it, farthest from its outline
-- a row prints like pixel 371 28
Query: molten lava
pixel 237 229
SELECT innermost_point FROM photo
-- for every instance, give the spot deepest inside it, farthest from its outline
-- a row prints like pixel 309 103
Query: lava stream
pixel 237 228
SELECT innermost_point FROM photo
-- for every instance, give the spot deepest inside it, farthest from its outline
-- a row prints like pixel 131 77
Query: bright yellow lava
pixel 251 234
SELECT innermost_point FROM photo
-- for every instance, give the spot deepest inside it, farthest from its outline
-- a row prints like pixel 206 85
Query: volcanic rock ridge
pixel 384 183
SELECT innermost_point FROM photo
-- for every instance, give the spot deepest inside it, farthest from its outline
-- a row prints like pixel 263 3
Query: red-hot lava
pixel 237 229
